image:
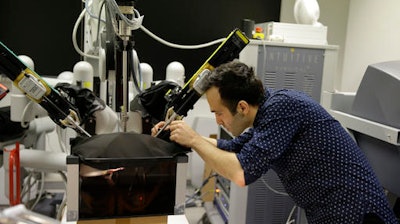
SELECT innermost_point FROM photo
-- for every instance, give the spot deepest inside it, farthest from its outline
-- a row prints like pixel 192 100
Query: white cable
pixel 74 33
pixel 61 208
pixel 136 20
pixel 64 200
pixel 265 56
pixel 91 14
pixel 169 44
pixel 288 221
pixel 41 190
pixel 136 69
pixel 136 23
pixel 26 190
pixel 110 9
pixel 272 189
pixel 61 139
pixel 27 109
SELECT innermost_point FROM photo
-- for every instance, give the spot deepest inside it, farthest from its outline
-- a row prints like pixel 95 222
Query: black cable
pixel 201 187
pixel 98 23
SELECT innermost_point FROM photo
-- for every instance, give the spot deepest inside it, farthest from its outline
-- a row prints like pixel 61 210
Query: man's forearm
pixel 213 141
pixel 223 162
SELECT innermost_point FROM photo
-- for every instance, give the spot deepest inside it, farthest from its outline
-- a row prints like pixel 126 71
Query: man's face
pixel 235 124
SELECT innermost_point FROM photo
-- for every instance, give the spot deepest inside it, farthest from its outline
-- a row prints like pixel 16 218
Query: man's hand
pixel 182 134
pixel 157 127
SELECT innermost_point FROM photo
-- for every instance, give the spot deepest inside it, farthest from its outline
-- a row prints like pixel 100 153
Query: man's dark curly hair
pixel 236 81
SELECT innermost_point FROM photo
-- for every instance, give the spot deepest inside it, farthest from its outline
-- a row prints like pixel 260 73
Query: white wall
pixel 373 36
pixel 365 30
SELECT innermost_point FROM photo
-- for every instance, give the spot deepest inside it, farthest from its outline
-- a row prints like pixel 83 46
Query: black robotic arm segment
pixel 183 101
pixel 60 110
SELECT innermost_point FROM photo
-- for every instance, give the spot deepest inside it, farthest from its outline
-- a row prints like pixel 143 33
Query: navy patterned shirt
pixel 319 164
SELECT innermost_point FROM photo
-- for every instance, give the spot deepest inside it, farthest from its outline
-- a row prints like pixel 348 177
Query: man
pixel 319 164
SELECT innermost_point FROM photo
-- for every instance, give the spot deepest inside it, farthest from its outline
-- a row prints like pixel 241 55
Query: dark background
pixel 43 29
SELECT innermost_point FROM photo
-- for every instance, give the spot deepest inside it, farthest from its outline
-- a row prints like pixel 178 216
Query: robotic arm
pixel 182 101
pixel 60 110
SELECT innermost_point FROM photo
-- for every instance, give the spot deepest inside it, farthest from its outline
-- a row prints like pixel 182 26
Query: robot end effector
pixel 60 110
pixel 183 101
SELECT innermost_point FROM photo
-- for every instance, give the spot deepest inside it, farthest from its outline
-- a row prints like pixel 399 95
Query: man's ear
pixel 242 107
